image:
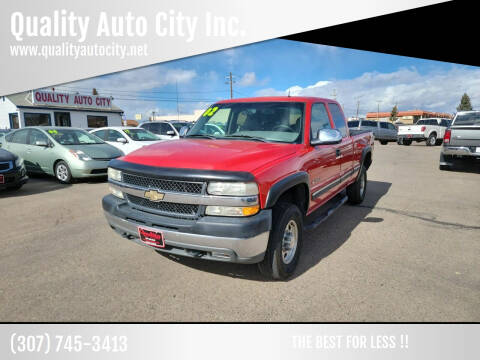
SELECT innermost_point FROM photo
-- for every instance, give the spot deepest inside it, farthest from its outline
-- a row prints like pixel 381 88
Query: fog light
pixel 232 210
pixel 116 192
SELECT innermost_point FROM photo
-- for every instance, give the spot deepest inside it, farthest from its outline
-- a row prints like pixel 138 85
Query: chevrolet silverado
pixel 243 184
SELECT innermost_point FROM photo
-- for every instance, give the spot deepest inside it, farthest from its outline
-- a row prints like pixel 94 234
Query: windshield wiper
pixel 202 136
pixel 249 137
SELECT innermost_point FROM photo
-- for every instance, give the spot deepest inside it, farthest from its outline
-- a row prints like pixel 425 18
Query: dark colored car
pixel 12 171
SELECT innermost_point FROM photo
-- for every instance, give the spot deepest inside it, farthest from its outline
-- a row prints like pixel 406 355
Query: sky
pixel 362 79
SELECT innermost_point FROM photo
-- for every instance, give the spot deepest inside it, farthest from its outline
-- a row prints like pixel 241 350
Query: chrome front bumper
pixel 230 249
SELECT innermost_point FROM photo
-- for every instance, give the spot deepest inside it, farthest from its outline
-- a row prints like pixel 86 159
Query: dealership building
pixel 52 108
pixel 407 117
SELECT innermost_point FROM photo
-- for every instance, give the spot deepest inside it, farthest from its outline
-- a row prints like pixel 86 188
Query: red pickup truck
pixel 242 184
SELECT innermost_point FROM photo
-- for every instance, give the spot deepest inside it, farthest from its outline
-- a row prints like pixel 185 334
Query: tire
pixel 407 142
pixel 383 142
pixel 63 173
pixel 356 191
pixel 439 142
pixel 279 263
pixel 400 141
pixel 432 140
pixel 444 167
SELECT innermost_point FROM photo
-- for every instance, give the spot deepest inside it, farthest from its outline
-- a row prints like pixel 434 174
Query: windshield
pixel 140 134
pixel 74 137
pixel 179 125
pixel 261 121
pixel 467 119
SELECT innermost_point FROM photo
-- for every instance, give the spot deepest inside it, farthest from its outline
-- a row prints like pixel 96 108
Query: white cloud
pixel 248 79
pixel 436 90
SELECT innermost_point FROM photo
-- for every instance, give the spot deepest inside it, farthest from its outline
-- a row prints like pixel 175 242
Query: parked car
pixel 461 140
pixel 12 171
pixel 3 132
pixel 244 195
pixel 64 152
pixel 383 131
pixel 126 139
pixel 429 130
pixel 163 129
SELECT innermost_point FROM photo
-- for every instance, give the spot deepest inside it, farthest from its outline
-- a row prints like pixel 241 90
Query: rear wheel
pixel 439 142
pixel 432 139
pixel 400 141
pixel 63 173
pixel 285 243
pixel 383 142
pixel 356 191
pixel 407 142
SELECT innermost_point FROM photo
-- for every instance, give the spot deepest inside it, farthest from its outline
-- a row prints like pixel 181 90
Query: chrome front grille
pixel 163 185
pixel 164 208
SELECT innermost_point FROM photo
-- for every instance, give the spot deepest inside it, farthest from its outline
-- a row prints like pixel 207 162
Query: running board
pixel 325 215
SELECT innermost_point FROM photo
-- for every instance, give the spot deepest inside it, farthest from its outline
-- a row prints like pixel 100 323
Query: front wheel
pixel 356 191
pixel 63 173
pixel 285 243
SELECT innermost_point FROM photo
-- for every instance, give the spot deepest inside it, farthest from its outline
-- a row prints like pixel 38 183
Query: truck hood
pixel 204 154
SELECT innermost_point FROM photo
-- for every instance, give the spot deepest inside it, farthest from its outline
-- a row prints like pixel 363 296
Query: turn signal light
pixel 447 136
pixel 423 128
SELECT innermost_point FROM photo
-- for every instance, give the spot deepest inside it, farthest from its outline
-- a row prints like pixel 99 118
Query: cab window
pixel 318 120
pixel 338 118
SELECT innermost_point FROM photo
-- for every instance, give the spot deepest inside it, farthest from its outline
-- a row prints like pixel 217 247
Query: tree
pixel 394 114
pixel 94 91
pixel 465 104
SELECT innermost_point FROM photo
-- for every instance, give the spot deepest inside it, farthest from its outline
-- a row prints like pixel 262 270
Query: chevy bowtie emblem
pixel 154 195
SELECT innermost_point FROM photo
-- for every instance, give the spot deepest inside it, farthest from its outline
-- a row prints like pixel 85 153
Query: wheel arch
pixel 294 187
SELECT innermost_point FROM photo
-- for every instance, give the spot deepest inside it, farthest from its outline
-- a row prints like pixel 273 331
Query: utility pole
pixel 153 115
pixel 334 94
pixel 358 108
pixel 231 81
pixel 176 90
pixel 378 107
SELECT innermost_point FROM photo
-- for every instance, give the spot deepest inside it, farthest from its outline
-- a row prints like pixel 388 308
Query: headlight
pixel 232 188
pixel 19 162
pixel 116 192
pixel 232 210
pixel 79 154
pixel 114 174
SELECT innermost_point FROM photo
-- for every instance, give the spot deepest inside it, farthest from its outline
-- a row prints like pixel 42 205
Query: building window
pixel 62 119
pixel 96 121
pixel 14 123
pixel 36 119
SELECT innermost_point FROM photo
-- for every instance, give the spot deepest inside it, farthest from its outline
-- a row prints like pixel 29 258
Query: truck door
pixel 323 164
pixel 344 150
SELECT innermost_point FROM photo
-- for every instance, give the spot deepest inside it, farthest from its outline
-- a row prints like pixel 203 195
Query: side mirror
pixel 41 143
pixel 122 140
pixel 184 131
pixel 327 136
pixel 171 132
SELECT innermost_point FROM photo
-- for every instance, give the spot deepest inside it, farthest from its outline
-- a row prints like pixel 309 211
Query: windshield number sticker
pixel 210 111
pixel 53 132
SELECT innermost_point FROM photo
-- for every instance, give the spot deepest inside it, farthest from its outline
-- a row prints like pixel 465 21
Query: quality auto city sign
pixel 41 97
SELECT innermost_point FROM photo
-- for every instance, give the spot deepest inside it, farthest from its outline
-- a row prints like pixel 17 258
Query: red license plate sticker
pixel 151 237
pixel 2 179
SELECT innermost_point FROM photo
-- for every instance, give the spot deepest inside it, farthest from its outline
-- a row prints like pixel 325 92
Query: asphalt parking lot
pixel 410 252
